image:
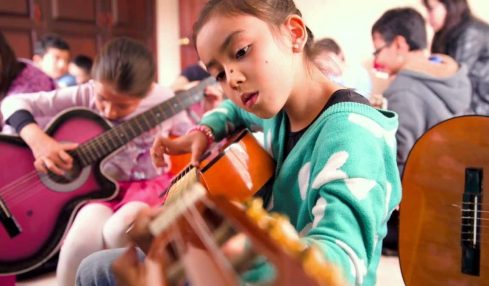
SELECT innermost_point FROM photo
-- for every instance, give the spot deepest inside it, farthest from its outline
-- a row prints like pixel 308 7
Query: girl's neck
pixel 308 98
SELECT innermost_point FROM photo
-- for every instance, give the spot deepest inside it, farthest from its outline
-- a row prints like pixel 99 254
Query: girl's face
pixel 114 105
pixel 253 64
pixel 437 13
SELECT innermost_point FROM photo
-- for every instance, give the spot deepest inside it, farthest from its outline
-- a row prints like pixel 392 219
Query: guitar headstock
pixel 198 226
pixel 284 234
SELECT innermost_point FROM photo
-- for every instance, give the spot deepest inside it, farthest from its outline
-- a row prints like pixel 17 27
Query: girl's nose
pixel 235 79
pixel 110 112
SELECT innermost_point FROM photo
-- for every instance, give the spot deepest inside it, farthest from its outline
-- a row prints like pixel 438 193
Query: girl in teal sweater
pixel 336 176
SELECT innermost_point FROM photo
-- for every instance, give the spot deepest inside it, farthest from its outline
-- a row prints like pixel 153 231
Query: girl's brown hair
pixel 127 65
pixel 274 12
pixel 10 67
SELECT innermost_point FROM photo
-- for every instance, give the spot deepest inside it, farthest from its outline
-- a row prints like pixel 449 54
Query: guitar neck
pixel 197 220
pixel 108 142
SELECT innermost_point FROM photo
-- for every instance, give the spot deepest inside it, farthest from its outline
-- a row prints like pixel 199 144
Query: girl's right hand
pixel 194 142
pixel 49 154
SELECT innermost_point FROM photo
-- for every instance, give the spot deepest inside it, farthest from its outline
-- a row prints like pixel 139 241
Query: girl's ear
pixel 298 32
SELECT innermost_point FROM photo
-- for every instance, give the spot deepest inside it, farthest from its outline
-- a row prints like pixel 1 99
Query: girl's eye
pixel 242 52
pixel 220 76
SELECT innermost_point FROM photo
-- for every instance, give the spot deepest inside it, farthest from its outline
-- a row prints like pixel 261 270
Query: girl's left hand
pixel 193 142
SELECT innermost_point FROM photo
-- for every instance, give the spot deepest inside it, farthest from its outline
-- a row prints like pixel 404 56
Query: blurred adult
pixel 464 37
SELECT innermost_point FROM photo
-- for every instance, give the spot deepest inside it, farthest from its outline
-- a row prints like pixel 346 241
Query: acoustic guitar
pixel 36 209
pixel 444 215
pixel 192 231
pixel 237 168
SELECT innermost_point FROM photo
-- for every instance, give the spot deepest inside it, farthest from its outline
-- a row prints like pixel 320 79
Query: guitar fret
pixel 140 126
pixel 81 157
pixel 130 132
pixel 105 145
pixel 111 145
pixel 88 151
pixel 95 148
pixel 137 127
pixel 120 136
pixel 145 120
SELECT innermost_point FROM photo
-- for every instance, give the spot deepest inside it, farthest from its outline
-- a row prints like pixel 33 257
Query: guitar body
pixel 444 216
pixel 236 169
pixel 43 208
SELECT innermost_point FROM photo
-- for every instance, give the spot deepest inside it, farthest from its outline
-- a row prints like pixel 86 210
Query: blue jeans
pixel 95 270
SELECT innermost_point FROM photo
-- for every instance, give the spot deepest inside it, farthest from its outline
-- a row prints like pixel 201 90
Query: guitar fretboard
pixel 109 141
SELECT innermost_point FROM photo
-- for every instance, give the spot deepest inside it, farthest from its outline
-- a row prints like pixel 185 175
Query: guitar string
pixel 30 190
pixel 22 185
pixel 12 187
pixel 202 230
pixel 180 101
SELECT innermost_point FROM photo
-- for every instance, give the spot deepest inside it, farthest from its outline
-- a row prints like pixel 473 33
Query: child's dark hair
pixel 273 12
pixel 84 62
pixel 10 67
pixel 50 41
pixel 405 22
pixel 127 65
pixel 327 44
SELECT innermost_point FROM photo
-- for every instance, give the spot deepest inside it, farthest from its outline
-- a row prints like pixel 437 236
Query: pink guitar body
pixel 41 207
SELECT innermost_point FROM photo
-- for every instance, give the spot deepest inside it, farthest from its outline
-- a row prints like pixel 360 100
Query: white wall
pixel 167 41
pixel 347 21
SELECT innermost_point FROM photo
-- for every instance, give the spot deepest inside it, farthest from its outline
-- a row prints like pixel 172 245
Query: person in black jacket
pixel 461 35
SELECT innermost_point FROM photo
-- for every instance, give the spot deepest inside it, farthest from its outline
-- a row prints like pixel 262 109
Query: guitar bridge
pixel 471 211
pixel 8 221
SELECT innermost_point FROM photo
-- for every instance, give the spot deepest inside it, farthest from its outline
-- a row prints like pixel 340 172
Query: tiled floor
pixel 389 274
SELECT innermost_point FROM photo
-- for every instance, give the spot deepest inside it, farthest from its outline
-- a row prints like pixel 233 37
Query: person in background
pixel 80 67
pixel 19 75
pixel 52 56
pixel 459 34
pixel 423 92
pixel 123 87
pixel 213 94
pixel 331 61
pixel 191 73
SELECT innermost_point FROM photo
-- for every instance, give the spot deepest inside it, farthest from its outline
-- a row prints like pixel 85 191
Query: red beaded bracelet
pixel 207 131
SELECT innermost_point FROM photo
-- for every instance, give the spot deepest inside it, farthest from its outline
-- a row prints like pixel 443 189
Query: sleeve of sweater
pixel 45 104
pixel 227 117
pixel 470 46
pixel 353 188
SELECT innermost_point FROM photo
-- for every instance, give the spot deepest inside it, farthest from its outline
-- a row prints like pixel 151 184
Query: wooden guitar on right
pixel 444 216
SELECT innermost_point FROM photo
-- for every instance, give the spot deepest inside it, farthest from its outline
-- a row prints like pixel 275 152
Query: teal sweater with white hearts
pixel 338 185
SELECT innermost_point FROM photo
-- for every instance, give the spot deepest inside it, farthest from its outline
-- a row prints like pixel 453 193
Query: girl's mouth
pixel 249 99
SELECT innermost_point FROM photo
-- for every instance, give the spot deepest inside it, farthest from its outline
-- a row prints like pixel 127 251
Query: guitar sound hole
pixel 69 176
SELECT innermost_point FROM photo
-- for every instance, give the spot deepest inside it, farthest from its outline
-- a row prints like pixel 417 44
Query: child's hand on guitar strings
pixel 193 142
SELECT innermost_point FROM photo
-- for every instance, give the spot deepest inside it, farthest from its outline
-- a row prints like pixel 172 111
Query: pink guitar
pixel 37 209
